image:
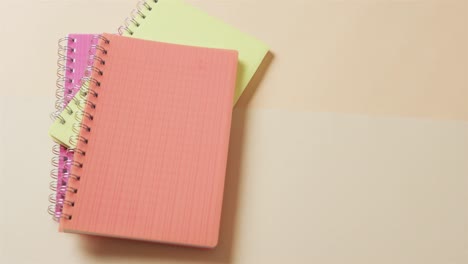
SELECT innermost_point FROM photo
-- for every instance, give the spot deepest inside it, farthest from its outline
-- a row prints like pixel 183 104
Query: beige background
pixel 350 146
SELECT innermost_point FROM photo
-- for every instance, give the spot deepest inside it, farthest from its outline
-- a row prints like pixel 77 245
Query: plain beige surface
pixel 351 145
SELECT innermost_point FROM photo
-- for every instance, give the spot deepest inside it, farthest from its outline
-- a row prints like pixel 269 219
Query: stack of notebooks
pixel 143 120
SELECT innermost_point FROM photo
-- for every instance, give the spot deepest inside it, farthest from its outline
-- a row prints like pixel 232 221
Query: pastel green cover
pixel 62 129
pixel 174 21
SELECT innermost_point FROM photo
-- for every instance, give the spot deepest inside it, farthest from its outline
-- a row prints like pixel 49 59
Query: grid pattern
pixel 155 162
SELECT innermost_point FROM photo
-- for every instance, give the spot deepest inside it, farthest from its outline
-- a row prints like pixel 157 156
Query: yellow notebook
pixel 174 21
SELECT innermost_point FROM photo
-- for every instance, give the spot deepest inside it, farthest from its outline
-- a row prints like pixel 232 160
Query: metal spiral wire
pixel 62 163
pixel 138 13
pixel 65 60
pixel 84 102
pixel 65 64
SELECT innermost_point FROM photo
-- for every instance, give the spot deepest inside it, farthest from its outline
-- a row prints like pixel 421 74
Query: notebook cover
pixel 78 51
pixel 174 21
pixel 155 159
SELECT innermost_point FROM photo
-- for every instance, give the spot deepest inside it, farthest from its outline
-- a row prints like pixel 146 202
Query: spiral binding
pixel 64 60
pixel 136 14
pixel 86 105
pixel 64 64
pixel 58 186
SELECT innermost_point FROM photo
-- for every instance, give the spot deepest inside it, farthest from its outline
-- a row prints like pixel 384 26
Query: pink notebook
pixel 72 62
pixel 151 163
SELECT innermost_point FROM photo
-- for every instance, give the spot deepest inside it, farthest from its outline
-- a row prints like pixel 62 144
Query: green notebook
pixel 174 21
